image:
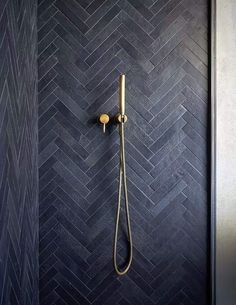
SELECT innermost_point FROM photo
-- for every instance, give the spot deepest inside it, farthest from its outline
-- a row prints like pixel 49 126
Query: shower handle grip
pixel 121 117
pixel 122 95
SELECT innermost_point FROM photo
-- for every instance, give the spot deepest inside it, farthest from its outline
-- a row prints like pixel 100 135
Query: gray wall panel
pixel 162 47
pixel 18 153
pixel 225 152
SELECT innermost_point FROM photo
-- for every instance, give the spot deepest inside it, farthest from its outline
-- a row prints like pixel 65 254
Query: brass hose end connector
pixel 119 118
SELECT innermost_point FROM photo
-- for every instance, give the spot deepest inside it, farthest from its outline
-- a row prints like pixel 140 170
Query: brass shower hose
pixel 122 178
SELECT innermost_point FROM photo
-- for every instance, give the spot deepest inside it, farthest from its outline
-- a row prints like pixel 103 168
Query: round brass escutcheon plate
pixel 104 118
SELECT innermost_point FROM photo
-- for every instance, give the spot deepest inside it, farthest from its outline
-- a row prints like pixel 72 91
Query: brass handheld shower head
pixel 122 94
pixel 121 118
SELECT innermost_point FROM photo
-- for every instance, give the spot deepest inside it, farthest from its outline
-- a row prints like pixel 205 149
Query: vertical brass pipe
pixel 122 94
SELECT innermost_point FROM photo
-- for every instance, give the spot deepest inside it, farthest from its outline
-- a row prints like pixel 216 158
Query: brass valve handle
pixel 104 119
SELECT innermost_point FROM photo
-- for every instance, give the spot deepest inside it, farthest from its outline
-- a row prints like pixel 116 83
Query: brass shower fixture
pixel 104 119
pixel 121 119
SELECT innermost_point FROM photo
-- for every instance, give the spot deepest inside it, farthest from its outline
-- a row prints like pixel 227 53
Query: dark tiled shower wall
pixel 18 153
pixel 162 48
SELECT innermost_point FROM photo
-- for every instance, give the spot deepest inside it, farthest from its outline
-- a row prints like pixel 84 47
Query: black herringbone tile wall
pixel 161 46
pixel 18 153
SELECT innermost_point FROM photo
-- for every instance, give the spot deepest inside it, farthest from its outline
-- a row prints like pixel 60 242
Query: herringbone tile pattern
pixel 162 48
pixel 18 153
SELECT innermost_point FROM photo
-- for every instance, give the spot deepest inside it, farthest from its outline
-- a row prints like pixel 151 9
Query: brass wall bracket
pixel 119 118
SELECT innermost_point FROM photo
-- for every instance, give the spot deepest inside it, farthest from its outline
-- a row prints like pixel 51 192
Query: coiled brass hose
pixel 122 178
